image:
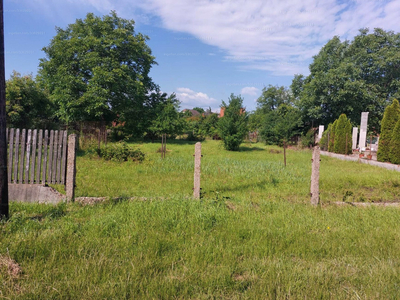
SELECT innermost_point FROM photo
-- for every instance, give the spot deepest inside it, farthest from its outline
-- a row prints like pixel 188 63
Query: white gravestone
pixel 363 130
pixel 355 135
pixel 320 132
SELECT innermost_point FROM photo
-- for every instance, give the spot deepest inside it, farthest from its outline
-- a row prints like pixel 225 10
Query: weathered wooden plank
pixel 59 153
pixel 10 154
pixel 55 151
pixel 28 155
pixel 45 151
pixel 50 157
pixel 39 158
pixel 22 158
pixel 64 157
pixel 33 159
pixel 16 149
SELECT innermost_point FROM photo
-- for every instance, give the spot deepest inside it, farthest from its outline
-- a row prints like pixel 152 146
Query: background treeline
pixel 97 70
pixel 346 77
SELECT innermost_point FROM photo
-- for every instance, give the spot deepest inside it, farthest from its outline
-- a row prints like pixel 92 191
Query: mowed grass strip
pixel 212 248
pixel 254 173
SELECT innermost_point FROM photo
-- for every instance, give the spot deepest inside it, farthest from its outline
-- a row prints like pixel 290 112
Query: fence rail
pixel 37 156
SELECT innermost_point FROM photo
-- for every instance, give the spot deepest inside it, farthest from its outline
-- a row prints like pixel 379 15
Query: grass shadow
pixel 245 149
pixel 241 187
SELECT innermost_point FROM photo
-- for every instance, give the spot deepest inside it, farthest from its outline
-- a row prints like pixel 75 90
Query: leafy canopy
pixel 277 117
pixel 168 119
pixel 98 69
pixel 27 105
pixel 351 77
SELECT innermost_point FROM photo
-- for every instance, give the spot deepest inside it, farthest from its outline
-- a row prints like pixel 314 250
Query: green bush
pixel 342 135
pixel 307 140
pixel 120 152
pixel 395 145
pixel 324 142
pixel 332 137
pixel 195 137
pixel 232 127
pixel 390 118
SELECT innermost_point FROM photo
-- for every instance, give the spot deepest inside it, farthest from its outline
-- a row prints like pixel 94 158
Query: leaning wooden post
pixel 197 161
pixel 71 168
pixel 315 176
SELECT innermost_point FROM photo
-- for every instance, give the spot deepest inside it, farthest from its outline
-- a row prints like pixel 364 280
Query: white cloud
pixel 252 91
pixel 190 99
pixel 273 35
pixel 277 36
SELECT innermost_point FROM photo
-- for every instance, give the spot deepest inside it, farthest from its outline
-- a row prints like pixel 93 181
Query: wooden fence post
pixel 197 162
pixel 315 176
pixel 71 168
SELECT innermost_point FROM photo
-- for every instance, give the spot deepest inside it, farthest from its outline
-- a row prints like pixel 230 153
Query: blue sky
pixel 206 49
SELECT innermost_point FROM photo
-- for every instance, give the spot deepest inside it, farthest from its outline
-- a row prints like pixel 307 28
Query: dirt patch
pixel 96 200
pixel 274 151
pixel 230 205
pixel 12 269
pixel 243 277
pixel 362 204
pixel 90 200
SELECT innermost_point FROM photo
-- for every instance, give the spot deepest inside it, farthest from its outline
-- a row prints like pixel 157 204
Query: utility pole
pixel 3 143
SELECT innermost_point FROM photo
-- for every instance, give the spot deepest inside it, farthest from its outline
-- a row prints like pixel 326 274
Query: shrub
pixel 390 118
pixel 342 135
pixel 232 127
pixel 120 152
pixel 332 137
pixel 195 137
pixel 395 145
pixel 307 140
pixel 324 142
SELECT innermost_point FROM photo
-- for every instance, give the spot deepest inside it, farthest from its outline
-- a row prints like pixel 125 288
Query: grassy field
pixel 253 235
pixel 256 173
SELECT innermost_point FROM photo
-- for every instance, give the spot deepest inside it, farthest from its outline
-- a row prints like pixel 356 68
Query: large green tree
pixel 390 118
pixel 277 117
pixel 168 120
pixel 232 127
pixel 351 77
pixel 98 69
pixel 27 105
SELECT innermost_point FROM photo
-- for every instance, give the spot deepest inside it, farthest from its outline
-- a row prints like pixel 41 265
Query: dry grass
pixel 9 267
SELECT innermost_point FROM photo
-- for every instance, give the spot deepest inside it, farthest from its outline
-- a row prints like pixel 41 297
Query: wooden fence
pixel 37 156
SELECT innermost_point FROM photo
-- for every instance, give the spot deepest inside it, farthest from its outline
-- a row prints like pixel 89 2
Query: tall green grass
pixel 253 235
pixel 185 249
pixel 256 172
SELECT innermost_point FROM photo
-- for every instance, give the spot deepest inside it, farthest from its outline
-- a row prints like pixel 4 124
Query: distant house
pixel 222 112
pixel 194 113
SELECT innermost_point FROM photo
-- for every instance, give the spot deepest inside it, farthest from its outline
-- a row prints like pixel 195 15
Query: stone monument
pixel 363 130
pixel 320 132
pixel 355 135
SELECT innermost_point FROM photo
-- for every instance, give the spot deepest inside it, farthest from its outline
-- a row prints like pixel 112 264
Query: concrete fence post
pixel 315 176
pixel 197 162
pixel 71 167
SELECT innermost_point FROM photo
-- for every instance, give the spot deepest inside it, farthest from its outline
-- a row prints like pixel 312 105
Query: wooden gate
pixel 38 157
